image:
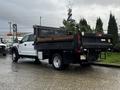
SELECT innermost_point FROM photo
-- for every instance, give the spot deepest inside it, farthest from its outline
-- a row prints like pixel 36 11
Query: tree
pixel 99 26
pixel 113 29
pixel 84 27
pixel 70 26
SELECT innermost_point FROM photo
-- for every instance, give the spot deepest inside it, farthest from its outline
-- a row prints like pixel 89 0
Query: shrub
pixel 116 48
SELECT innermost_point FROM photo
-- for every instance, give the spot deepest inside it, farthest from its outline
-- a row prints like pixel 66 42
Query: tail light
pixel 99 34
pixel 77 50
pixel 78 44
pixel 78 39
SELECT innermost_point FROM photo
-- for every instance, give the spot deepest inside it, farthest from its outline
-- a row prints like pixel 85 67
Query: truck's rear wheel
pixel 57 62
pixel 15 56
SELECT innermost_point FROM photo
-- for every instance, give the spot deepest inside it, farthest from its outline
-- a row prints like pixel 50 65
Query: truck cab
pixel 24 48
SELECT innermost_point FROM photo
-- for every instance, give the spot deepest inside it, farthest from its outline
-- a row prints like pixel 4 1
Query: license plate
pixel 103 40
pixel 82 57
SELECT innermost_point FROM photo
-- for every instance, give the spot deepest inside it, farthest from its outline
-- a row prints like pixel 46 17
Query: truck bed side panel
pixel 55 45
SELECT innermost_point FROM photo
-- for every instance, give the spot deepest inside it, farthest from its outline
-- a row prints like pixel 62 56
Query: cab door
pixel 26 47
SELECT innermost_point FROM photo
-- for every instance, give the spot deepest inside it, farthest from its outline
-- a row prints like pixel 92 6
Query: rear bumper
pixel 99 46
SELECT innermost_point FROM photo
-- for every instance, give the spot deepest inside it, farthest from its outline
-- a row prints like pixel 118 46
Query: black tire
pixel 15 56
pixel 4 54
pixel 57 62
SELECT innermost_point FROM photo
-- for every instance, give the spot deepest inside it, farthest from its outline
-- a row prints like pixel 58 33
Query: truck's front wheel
pixel 4 54
pixel 57 62
pixel 15 56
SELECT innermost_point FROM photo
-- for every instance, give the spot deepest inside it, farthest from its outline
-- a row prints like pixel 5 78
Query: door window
pixel 31 37
pixel 25 39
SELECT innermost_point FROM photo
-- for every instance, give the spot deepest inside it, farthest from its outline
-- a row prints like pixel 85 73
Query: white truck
pixel 60 48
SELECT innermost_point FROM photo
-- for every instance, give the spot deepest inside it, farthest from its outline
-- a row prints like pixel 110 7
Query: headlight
pixel 109 40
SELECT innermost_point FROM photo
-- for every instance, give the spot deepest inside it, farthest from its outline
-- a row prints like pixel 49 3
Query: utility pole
pixel 40 20
pixel 10 23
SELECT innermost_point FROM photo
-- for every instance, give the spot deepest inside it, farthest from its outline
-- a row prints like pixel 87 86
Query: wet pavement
pixel 29 76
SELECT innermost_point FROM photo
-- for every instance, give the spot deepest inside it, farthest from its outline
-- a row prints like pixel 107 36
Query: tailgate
pixel 98 42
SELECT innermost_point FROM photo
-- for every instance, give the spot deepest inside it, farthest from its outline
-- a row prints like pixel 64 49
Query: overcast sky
pixel 26 13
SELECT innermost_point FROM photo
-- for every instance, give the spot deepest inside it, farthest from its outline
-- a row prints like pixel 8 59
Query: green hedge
pixel 112 57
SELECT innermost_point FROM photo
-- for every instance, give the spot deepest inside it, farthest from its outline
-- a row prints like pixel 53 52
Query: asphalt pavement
pixel 26 75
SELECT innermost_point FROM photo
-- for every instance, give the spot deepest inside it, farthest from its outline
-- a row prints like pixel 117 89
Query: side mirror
pixel 20 41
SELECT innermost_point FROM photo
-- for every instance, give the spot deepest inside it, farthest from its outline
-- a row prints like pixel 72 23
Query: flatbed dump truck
pixel 61 48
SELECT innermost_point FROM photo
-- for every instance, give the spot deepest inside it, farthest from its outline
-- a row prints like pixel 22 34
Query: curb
pixel 106 65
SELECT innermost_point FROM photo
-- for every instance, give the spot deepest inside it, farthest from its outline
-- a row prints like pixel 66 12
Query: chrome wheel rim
pixel 57 62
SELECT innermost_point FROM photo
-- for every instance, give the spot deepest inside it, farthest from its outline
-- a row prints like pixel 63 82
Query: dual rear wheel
pixel 57 62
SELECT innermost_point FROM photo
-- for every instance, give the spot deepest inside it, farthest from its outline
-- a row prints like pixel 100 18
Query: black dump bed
pixel 52 38
pixel 56 38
